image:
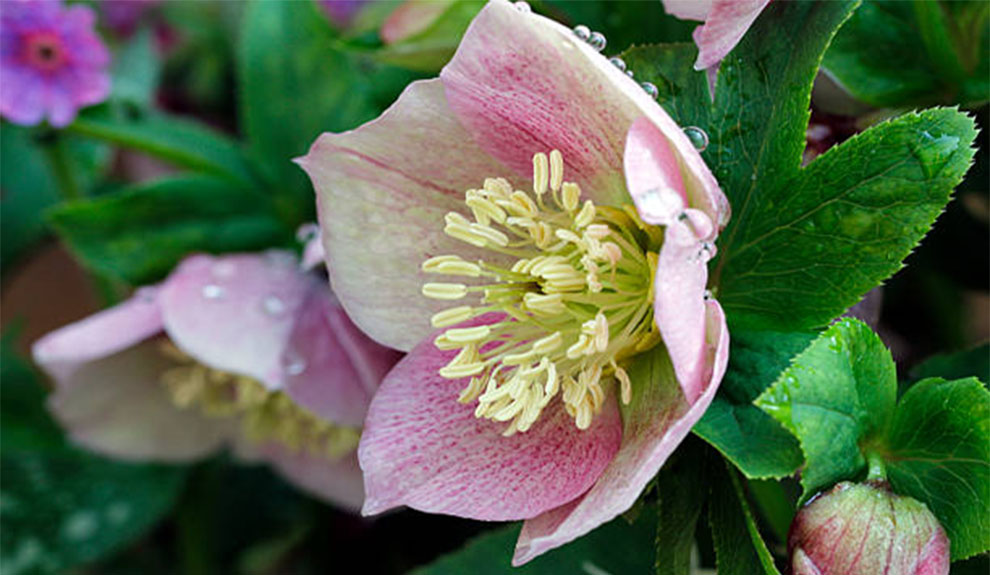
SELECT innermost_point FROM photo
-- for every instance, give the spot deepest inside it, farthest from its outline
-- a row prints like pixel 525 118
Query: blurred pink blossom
pixel 725 23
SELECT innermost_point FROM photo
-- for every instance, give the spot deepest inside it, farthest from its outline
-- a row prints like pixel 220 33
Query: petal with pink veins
pixel 422 448
pixel 655 423
pixel 235 313
pixel 725 25
pixel 116 405
pixel 522 84
pixel 382 192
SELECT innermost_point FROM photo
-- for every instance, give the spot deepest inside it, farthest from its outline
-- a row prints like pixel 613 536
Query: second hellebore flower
pixel 725 23
pixel 52 62
pixel 574 220
pixel 246 351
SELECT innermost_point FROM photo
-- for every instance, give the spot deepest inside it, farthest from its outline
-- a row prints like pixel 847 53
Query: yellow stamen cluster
pixel 264 415
pixel 574 299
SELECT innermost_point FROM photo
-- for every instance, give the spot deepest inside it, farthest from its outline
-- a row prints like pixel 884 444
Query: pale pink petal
pixel 724 27
pixel 335 481
pixel 679 305
pixel 117 405
pixel 522 84
pixel 313 253
pixel 688 9
pixel 655 423
pixel 382 192
pixel 100 335
pixel 332 368
pixel 411 18
pixel 235 313
pixel 652 175
pixel 422 448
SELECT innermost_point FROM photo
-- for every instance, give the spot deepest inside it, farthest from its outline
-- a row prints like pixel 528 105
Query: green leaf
pixel 681 493
pixel 969 363
pixel 835 396
pixel 616 547
pixel 938 451
pixel 136 68
pixel 804 244
pixel 61 506
pixel 739 547
pixel 914 53
pixel 744 434
pixel 294 85
pixel 139 234
pixel 184 143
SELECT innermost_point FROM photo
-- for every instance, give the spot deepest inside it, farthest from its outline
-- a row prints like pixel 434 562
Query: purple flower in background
pixel 123 16
pixel 51 60
pixel 342 12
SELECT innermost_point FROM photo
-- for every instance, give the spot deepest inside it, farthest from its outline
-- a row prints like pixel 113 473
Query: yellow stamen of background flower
pixel 575 294
pixel 264 415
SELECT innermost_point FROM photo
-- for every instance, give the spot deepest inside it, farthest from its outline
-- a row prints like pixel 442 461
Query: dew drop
pixel 618 63
pixel 650 89
pixel 273 305
pixel 582 32
pixel 597 41
pixel 294 363
pixel 145 294
pixel 307 232
pixel 629 73
pixel 698 137
pixel 523 7
pixel 708 294
pixel 212 291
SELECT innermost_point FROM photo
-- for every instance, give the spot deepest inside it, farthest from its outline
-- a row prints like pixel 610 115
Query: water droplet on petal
pixel 279 258
pixel 629 73
pixel 698 137
pixel 708 294
pixel 523 7
pixel 145 294
pixel 294 363
pixel 582 32
pixel 597 41
pixel 618 63
pixel 273 305
pixel 223 269
pixel 212 291
pixel 307 232
pixel 650 89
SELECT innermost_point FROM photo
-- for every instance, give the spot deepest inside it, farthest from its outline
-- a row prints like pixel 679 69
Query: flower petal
pixel 382 192
pixel 522 84
pixel 679 305
pixel 724 27
pixel 656 422
pixel 235 313
pixel 332 368
pixel 116 405
pixel 100 335
pixel 423 449
pixel 688 9
pixel 652 176
pixel 336 481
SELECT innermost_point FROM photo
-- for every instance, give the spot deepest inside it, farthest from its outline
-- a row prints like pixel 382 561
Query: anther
pixel 541 174
pixel 444 290
pixel 452 316
pixel 556 170
pixel 571 196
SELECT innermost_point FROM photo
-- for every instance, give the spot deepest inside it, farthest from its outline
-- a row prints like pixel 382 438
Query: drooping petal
pixel 688 9
pixel 422 448
pixel 679 304
pixel 335 481
pixel 656 421
pixel 725 25
pixel 235 313
pixel 522 84
pixel 62 352
pixel 382 192
pixel 332 369
pixel 117 405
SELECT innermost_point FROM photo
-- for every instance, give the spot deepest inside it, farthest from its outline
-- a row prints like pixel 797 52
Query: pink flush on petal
pixel 725 23
pixel 52 62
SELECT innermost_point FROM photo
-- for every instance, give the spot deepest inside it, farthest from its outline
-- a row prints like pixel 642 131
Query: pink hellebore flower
pixel 726 22
pixel 514 413
pixel 51 60
pixel 246 351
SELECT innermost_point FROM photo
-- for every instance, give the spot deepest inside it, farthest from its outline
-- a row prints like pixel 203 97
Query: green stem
pixel 195 521
pixel 68 186
pixel 877 470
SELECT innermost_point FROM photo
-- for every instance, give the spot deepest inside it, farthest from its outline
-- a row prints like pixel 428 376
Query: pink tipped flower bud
pixel 864 529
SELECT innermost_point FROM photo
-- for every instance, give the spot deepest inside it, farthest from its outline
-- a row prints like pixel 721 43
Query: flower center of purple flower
pixel 572 284
pixel 44 51
pixel 264 415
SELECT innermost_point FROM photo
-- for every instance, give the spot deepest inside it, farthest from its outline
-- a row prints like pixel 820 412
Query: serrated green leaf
pixel 292 94
pixel 739 547
pixel 681 492
pixel 938 452
pixel 835 396
pixel 616 547
pixel 139 234
pixel 803 245
pixel 914 53
pixel 180 142
pixel 973 362
pixel 744 434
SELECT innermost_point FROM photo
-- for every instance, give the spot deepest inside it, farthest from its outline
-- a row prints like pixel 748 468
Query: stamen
pixel 444 290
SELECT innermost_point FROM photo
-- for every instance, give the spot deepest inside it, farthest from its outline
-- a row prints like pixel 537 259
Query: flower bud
pixel 864 529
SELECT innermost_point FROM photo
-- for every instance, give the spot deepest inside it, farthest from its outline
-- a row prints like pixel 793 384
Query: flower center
pixel 264 415
pixel 44 51
pixel 572 285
